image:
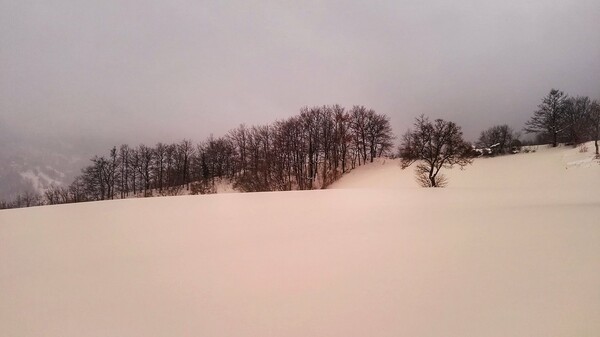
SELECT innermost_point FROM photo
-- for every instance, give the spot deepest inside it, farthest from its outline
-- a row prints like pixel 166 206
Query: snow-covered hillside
pixel 562 167
pixel 510 248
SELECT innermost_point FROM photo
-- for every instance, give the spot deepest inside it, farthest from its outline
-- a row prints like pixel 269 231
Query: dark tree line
pixel 499 139
pixel 307 151
pixel 26 199
pixel 560 118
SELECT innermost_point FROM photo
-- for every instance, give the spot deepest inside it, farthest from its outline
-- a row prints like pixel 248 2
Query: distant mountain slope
pixel 32 165
pixel 24 169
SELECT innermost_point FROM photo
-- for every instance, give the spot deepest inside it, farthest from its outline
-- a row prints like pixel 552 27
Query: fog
pixel 99 73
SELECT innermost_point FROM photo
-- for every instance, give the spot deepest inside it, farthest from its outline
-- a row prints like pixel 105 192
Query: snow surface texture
pixel 511 248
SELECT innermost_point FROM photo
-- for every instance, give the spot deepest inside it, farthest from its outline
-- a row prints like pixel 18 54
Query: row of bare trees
pixel 25 199
pixel 499 139
pixel 439 144
pixel 310 150
pixel 560 118
pixel 307 151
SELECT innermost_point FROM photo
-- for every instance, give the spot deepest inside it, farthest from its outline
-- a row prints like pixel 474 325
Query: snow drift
pixel 511 248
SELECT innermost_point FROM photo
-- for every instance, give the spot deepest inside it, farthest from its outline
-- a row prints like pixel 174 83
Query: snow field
pixel 510 248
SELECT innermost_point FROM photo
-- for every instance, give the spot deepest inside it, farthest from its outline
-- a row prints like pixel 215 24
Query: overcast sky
pixel 111 71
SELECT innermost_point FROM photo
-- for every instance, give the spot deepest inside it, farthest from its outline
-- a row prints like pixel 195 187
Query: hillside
pixel 510 248
pixel 562 167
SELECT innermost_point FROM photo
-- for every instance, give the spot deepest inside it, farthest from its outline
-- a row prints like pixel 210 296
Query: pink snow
pixel 510 248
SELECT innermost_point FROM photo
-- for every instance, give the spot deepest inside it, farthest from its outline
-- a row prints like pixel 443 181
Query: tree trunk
pixel 432 177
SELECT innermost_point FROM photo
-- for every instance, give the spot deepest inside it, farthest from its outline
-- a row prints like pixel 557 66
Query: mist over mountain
pixel 32 165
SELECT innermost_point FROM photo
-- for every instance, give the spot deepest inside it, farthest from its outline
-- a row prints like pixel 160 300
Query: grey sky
pixel 111 71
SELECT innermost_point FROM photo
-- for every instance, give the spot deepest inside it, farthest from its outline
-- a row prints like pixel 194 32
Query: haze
pixel 107 72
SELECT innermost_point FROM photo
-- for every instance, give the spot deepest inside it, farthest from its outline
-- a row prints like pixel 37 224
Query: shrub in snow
pixel 202 187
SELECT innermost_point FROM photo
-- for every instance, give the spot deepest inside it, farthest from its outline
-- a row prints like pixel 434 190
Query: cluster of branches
pixel 26 199
pixel 310 150
pixel 433 146
pixel 561 118
pixel 307 151
pixel 498 139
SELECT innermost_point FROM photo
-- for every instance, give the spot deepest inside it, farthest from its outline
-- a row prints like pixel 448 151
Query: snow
pixel 545 168
pixel 510 248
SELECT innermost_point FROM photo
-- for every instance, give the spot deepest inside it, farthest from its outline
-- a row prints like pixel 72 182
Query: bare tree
pixel 498 137
pixel 134 164
pixel 124 153
pixel 5 204
pixel 576 119
pixel 239 137
pixel 435 146
pixel 311 119
pixel 77 190
pixel 594 123
pixel 358 127
pixel 549 118
pixel 185 151
pixel 146 155
pixel 29 199
pixel 327 134
pixel 96 179
pixel 342 138
pixel 50 195
pixel 170 169
pixel 112 172
pixel 159 165
pixel 379 134
pixel 57 195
